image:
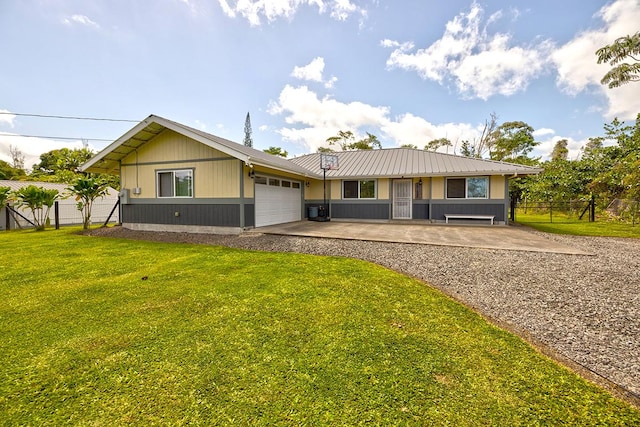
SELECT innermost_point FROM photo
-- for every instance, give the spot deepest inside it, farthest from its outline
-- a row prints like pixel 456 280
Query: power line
pixel 47 116
pixel 55 137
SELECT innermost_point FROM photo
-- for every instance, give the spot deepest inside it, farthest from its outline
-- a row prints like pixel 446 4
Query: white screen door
pixel 402 198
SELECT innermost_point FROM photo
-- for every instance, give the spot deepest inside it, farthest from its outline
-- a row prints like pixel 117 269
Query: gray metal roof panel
pixel 407 162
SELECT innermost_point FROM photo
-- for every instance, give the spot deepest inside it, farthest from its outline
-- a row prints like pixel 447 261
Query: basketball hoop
pixel 329 162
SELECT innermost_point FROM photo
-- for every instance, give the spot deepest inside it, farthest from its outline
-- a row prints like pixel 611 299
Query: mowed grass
pixel 565 224
pixel 217 336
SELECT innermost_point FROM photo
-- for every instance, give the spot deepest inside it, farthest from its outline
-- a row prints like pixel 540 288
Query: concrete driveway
pixel 489 237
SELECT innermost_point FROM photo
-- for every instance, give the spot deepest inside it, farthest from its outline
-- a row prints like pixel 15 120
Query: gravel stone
pixel 581 310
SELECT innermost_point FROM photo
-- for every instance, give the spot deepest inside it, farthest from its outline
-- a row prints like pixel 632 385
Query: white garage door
pixel 277 201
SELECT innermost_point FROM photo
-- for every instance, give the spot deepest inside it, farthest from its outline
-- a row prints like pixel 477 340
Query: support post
pixel 111 213
pixel 7 218
pixel 56 214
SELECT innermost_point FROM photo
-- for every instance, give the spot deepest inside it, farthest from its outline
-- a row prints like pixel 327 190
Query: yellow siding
pixel 383 189
pixel 216 175
pixel 315 191
pixel 437 186
pixel 334 190
pixel 426 187
pixel 497 187
pixel 248 182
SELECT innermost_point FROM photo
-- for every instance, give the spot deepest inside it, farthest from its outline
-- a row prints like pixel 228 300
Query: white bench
pixel 468 216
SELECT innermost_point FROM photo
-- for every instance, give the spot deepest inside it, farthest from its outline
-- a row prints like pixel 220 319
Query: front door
pixel 402 199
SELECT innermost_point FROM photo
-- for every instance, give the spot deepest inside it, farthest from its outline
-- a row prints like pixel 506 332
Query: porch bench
pixel 468 216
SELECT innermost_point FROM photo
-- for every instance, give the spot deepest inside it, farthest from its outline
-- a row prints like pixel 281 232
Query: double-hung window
pixel 361 189
pixel 175 183
pixel 468 188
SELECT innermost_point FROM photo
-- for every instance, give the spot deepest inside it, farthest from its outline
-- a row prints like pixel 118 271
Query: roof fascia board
pixel 115 144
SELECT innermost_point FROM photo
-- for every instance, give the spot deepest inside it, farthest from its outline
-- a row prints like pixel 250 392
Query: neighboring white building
pixel 67 206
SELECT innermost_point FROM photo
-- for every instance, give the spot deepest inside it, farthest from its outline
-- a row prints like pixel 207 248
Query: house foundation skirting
pixel 172 228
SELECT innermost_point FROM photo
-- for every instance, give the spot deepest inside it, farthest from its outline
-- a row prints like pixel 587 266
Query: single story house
pixel 68 213
pixel 177 178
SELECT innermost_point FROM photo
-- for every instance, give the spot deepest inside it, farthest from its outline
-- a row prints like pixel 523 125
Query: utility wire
pixel 68 117
pixel 54 137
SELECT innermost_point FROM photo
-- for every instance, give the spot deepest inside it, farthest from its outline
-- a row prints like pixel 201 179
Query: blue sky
pixel 407 71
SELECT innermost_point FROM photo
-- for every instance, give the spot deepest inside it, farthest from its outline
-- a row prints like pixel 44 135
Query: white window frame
pixel 466 188
pixel 360 181
pixel 173 181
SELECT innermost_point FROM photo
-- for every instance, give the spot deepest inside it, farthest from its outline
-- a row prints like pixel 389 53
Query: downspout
pixel 430 197
pixel 507 198
pixel 242 224
pixel 391 198
pixel 121 207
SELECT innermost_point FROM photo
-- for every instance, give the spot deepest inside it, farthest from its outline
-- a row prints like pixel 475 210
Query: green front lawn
pixel 99 331
pixel 564 224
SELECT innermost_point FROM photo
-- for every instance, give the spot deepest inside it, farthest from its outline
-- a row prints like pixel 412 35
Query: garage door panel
pixel 276 205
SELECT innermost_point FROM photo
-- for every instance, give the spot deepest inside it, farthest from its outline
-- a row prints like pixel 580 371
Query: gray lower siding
pixel 354 210
pixel 217 215
pixel 422 209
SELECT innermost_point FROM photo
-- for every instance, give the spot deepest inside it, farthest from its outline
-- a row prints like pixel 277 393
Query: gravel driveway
pixel 582 310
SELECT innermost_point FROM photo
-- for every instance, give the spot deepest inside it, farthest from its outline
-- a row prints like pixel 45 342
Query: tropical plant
pixel 624 48
pixel 4 195
pixel 39 201
pixel 86 190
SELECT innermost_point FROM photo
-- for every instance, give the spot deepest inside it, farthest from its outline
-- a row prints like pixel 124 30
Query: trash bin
pixel 313 212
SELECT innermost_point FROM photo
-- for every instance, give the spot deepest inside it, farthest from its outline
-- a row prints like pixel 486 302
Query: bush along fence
pixel 584 209
pixel 104 213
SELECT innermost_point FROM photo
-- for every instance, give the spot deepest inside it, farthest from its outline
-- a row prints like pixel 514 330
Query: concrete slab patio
pixel 489 237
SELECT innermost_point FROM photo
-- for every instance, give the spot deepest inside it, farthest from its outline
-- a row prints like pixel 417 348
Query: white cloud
pixel 255 10
pixel 7 117
pixel 314 72
pixel 577 66
pixel 547 144
pixel 82 20
pixel 543 131
pixel 32 147
pixel 481 65
pixel 311 120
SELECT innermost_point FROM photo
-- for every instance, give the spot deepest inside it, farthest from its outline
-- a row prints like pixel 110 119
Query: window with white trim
pixel 361 189
pixel 175 183
pixel 468 188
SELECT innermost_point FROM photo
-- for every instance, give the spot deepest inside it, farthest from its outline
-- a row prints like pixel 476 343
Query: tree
pixel 623 48
pixel 479 147
pixel 325 150
pixel 347 141
pixel 39 201
pixel 17 157
pixel 57 161
pixel 369 143
pixel 276 151
pixel 512 142
pixel 415 147
pixel 9 172
pixel 560 150
pixel 247 132
pixel 435 144
pixel 87 190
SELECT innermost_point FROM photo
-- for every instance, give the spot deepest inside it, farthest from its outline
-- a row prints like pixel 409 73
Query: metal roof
pixel 108 160
pixel 394 162
pixel 409 162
